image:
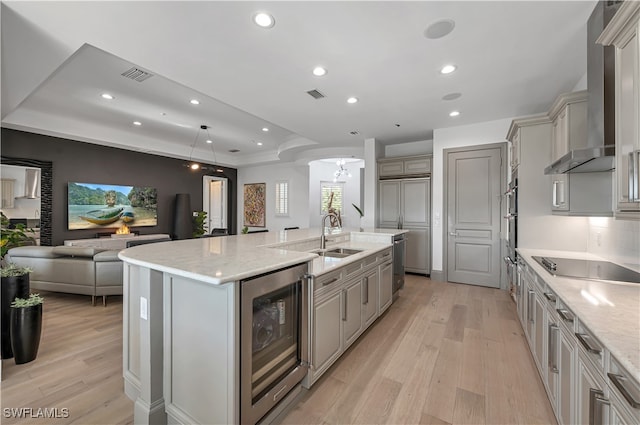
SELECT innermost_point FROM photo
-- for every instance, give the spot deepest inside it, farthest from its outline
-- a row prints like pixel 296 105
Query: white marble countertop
pixel 611 311
pixel 227 259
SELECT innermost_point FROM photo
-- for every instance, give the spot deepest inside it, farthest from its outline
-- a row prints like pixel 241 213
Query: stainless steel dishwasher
pixel 398 264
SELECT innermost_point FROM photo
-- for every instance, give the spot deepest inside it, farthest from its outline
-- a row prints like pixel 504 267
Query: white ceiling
pixel 513 59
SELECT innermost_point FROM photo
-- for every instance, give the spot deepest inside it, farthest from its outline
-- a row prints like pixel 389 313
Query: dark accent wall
pixel 74 161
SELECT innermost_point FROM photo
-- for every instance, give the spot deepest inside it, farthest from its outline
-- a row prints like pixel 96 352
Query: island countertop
pixel 225 259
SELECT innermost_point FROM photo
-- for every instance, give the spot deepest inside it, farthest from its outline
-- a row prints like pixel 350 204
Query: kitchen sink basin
pixel 338 252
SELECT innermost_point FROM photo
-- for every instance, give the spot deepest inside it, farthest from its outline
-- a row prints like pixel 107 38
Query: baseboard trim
pixel 438 275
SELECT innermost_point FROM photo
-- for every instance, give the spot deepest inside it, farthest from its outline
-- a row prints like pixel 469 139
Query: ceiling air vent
pixel 136 74
pixel 354 133
pixel 234 150
pixel 315 94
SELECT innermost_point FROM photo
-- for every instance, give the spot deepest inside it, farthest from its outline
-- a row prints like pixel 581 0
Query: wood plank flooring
pixel 443 354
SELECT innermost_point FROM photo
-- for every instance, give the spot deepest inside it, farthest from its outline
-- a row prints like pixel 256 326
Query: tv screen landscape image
pixel 97 206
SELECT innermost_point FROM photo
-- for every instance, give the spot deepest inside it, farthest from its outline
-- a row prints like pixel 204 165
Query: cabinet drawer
pixel 391 168
pixel 327 281
pixel 384 256
pixel 369 261
pixel 417 166
pixel 589 344
pixel 352 269
pixel 628 389
pixel 567 318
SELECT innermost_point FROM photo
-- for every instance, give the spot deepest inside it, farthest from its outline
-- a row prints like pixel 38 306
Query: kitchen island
pixel 182 315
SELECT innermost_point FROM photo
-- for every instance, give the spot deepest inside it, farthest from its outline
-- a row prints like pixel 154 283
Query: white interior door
pixel 214 201
pixel 473 216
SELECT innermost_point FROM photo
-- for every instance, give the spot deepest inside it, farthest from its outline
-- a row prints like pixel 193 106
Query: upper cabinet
pixel 8 193
pixel 580 194
pixel 402 167
pixel 622 32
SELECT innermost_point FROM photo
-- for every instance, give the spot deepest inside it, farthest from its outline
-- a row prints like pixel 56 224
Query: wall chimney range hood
pixel 599 154
pixel 31 182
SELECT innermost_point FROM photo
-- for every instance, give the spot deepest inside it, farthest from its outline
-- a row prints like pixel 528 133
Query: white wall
pixel 23 208
pixel 444 138
pixel 323 171
pixel 298 178
pixel 617 240
pixel 422 147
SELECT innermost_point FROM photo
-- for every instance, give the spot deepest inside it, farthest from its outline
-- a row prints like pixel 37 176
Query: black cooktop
pixel 587 269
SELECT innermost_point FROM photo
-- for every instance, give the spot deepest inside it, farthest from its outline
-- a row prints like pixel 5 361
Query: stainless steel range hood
pixel 600 151
pixel 31 182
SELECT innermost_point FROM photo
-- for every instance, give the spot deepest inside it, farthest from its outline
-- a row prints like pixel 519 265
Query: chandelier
pixel 341 171
pixel 193 165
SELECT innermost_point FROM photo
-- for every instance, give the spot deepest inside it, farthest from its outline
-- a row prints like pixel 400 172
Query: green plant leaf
pixel 358 209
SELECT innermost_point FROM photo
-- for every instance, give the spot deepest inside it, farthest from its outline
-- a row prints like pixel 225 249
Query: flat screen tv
pixel 98 206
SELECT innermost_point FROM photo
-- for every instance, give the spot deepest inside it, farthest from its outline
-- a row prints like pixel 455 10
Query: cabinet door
pixel 551 350
pixel 417 252
pixel 627 122
pixel 417 166
pixel 515 150
pixel 560 192
pixel 619 414
pixel 391 168
pixel 352 311
pixel 385 282
pixel 591 405
pixel 370 296
pixel 540 333
pixel 530 303
pixel 326 338
pixel 8 198
pixel 415 198
pixel 566 367
pixel 389 203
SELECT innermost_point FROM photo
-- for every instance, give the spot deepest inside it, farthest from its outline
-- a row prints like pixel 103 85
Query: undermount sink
pixel 338 252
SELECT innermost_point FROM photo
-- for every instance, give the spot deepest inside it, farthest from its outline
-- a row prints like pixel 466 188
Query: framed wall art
pixel 254 204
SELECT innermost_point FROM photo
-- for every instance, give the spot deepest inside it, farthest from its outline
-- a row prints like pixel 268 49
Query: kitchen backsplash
pixel 618 240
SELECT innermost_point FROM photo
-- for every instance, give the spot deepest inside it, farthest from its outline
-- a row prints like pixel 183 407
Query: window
pixel 326 188
pixel 282 198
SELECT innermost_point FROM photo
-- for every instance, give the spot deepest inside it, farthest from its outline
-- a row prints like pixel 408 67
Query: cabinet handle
pixel 329 282
pixel 453 233
pixel 618 381
pixel 530 307
pixel 365 290
pixel 565 315
pixel 345 293
pixel 554 194
pixel 584 340
pixel 550 296
pixel 596 406
pixel 634 176
pixel 553 348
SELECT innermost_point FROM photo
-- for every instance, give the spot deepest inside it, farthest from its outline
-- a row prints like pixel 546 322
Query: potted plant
pixel 199 223
pixel 15 279
pixel 361 215
pixel 26 327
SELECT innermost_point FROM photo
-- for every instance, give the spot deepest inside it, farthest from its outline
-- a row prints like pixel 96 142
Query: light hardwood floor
pixel 443 353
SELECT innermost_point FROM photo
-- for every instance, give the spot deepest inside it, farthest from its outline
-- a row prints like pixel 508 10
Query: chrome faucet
pixel 323 239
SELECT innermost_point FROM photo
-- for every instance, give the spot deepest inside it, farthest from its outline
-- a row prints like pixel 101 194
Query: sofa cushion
pixel 34 251
pixel 76 251
pixel 111 255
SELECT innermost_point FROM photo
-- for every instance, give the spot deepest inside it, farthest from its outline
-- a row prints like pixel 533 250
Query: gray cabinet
pixel 566 367
pixel 404 166
pixel 326 332
pixel 385 282
pixel 591 402
pixel 406 204
pixel 352 311
pixel 370 294
pixel 623 33
pixel 581 194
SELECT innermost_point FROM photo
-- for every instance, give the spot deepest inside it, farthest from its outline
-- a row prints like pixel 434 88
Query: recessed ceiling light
pixel 107 96
pixel 137 123
pixel 265 129
pixel 451 96
pixel 454 113
pixel 209 141
pixel 194 101
pixel 319 71
pixel 439 29
pixel 352 100
pixel 194 166
pixel 264 20
pixel 259 143
pixel 219 170
pixel 448 69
